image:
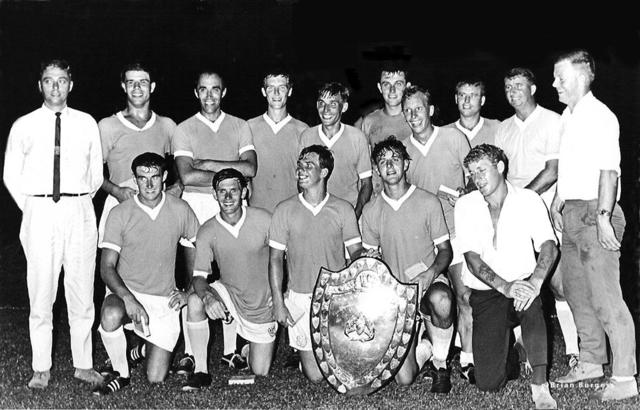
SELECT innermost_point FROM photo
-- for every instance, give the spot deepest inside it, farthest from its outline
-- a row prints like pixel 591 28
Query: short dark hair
pixel 325 157
pixel 229 173
pixel 473 82
pixel 149 160
pixel 394 67
pixel 413 90
pixel 58 63
pixel 581 58
pixel 522 72
pixel 210 72
pixel 277 72
pixel 488 151
pixel 389 144
pixel 334 88
pixel 135 66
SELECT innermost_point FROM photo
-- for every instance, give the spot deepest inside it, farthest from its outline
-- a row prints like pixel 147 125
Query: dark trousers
pixel 493 318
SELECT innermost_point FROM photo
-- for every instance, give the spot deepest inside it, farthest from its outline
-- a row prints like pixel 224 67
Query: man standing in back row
pixel 204 144
pixel 586 209
pixel 52 169
pixel 276 137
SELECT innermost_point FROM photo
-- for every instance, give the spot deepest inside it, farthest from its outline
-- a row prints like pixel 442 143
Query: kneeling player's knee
pixel 405 379
pixel 195 306
pixel 260 370
pixel 111 317
pixel 441 302
pixel 156 376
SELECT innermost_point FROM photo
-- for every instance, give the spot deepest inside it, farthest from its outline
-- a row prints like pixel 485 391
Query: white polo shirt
pixel 589 143
pixel 529 144
pixel 523 227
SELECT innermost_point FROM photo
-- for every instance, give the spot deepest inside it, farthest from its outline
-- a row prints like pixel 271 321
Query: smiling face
pixel 138 87
pixel 469 99
pixel 229 194
pixel 330 109
pixel 391 86
pixel 210 93
pixel 519 91
pixel 569 82
pixel 391 167
pixel 276 90
pixel 55 85
pixel 150 183
pixel 417 112
pixel 308 170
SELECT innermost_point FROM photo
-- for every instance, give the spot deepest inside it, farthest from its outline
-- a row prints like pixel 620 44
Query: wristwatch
pixel 604 212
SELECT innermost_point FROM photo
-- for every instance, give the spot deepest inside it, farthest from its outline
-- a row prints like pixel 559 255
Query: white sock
pixel 458 341
pixel 441 340
pixel 187 339
pixel 466 358
pixel 229 336
pixel 199 335
pixel 568 327
pixel 517 331
pixel 115 343
pixel 623 378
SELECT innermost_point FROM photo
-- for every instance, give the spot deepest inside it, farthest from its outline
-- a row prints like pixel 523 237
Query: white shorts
pixel 299 305
pixel 164 322
pixel 204 206
pixel 253 332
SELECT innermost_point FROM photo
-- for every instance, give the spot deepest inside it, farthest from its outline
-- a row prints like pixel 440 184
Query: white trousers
pixel 54 235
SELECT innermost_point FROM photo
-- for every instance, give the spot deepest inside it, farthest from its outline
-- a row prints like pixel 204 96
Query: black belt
pixel 62 194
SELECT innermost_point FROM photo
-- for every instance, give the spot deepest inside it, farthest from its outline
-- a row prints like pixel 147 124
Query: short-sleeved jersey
pixel 277 147
pixel 242 254
pixel 122 141
pixel 225 139
pixel 406 230
pixel 352 161
pixel 147 241
pixel 313 237
pixel 439 162
pixel 483 133
pixel 529 144
pixel 377 126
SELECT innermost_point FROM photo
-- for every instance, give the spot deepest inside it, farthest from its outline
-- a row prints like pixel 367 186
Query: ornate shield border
pixel 361 275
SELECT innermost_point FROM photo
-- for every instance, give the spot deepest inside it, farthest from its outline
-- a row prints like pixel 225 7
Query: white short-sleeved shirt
pixel 529 144
pixel 589 143
pixel 522 228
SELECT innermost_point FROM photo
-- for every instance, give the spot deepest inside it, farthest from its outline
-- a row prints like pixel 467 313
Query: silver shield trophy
pixel 362 324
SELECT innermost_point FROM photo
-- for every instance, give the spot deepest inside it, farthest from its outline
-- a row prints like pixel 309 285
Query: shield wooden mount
pixel 362 325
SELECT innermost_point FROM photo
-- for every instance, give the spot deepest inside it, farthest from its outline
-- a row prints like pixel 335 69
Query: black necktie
pixel 56 162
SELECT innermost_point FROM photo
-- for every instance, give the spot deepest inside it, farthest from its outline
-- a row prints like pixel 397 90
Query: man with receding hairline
pixel 52 169
pixel 586 209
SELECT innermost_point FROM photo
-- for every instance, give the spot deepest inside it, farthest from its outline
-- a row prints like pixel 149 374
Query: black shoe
pixel 185 365
pixel 429 370
pixel 135 355
pixel 197 381
pixel 111 385
pixel 468 372
pixel 441 381
pixel 107 368
pixel 293 360
pixel 234 361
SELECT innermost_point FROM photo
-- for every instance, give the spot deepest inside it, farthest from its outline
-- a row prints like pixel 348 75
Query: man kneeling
pixel 138 267
pixel 237 239
pixel 498 227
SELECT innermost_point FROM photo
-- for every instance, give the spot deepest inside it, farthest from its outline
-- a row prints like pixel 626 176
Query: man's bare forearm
pixel 546 260
pixel 482 271
pixel 545 178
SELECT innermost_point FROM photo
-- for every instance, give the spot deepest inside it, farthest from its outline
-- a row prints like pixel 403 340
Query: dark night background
pixel 319 41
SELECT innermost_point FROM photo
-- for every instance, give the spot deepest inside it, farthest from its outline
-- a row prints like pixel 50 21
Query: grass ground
pixel 285 387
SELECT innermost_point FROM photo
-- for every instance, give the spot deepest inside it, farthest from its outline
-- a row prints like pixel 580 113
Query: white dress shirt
pixel 28 166
pixel 523 226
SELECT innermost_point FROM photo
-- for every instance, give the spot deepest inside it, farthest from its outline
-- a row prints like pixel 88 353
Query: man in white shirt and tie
pixel 53 167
